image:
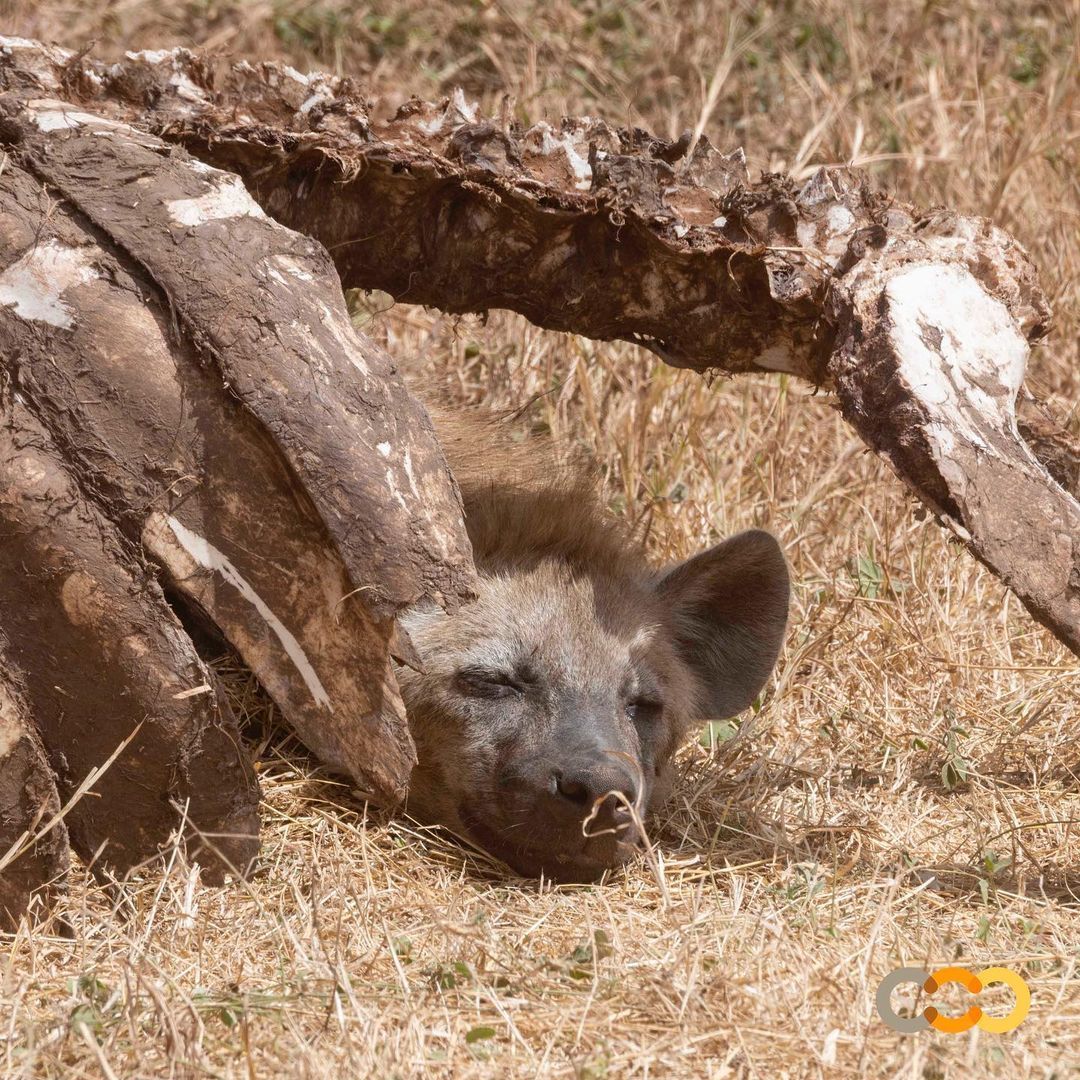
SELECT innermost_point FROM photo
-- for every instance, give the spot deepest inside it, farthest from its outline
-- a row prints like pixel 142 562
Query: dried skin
pixel 608 233
pixel 162 453
pixel 102 654
pixel 172 456
pixel 28 803
pixel 358 517
pixel 271 318
pixel 947 362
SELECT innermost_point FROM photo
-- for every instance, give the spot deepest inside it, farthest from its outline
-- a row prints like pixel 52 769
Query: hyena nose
pixel 601 789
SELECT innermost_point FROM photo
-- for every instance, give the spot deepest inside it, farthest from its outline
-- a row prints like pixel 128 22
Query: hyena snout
pixel 589 794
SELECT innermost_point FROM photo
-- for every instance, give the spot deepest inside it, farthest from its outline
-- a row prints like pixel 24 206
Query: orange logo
pixel 974 983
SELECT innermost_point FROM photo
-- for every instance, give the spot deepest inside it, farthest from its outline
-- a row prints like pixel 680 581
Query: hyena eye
pixel 479 682
pixel 643 710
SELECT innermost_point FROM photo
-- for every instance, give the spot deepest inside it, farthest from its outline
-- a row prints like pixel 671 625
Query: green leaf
pixel 870 577
pixel 229 1016
pixel 93 988
pixel 953 773
pixel 479 1034
pixel 1029 63
pixel 86 1016
pixel 717 732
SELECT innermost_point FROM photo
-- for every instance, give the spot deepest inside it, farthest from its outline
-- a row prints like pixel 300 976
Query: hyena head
pixel 553 704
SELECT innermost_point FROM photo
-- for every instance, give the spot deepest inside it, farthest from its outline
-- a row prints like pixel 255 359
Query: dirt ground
pixel 908 791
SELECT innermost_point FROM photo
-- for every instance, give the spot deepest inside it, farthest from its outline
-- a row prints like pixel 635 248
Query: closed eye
pixel 485 683
pixel 644 710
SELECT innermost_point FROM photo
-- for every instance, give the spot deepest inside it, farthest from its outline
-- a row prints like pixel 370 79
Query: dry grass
pixel 908 791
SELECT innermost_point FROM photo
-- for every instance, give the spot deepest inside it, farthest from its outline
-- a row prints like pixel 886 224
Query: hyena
pixel 548 710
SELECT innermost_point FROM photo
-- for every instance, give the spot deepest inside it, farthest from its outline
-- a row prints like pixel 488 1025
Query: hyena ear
pixel 728 608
